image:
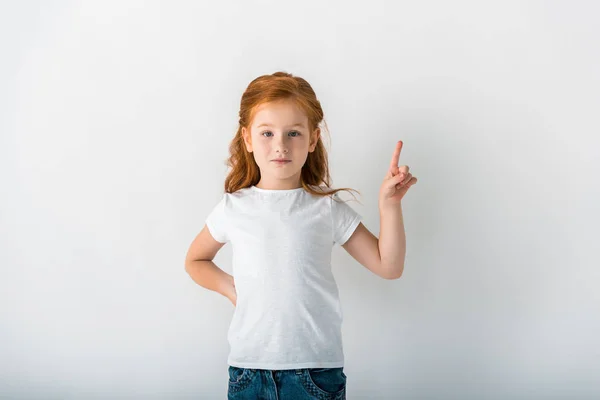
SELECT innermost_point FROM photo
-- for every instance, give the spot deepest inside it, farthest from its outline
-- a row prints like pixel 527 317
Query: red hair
pixel 269 88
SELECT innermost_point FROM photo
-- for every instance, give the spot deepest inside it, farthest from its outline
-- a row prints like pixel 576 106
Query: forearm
pixel 211 277
pixel 392 240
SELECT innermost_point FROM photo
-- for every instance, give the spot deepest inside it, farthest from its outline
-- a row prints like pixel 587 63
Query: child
pixel 282 219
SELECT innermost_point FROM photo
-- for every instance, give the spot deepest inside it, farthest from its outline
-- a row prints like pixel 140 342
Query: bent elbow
pixel 393 276
pixel 395 273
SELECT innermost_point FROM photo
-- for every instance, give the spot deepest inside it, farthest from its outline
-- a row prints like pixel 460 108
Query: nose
pixel 280 147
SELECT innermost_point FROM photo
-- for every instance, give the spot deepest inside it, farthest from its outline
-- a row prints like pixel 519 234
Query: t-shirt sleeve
pixel 217 222
pixel 344 218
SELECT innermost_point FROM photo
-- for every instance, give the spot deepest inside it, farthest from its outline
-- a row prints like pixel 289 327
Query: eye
pixel 296 133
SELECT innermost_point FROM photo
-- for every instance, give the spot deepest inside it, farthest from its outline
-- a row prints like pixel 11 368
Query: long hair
pixel 244 173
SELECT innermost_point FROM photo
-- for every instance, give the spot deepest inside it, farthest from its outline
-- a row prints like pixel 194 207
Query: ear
pixel 314 139
pixel 247 139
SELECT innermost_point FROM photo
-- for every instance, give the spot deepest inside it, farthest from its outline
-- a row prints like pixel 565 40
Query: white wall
pixel 115 122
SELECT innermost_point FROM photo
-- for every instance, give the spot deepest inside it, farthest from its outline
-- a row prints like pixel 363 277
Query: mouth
pixel 281 161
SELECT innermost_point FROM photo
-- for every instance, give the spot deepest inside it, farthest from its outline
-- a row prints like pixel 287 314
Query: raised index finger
pixel 396 157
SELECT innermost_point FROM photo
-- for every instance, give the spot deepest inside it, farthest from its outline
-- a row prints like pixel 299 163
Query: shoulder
pixel 322 195
pixel 238 194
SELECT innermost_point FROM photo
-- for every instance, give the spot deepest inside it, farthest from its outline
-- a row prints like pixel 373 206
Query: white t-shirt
pixel 288 314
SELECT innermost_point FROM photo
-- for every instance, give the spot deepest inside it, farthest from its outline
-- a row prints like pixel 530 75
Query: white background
pixel 115 121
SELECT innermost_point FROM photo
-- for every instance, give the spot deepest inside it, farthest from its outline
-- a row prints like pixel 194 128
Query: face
pixel 280 130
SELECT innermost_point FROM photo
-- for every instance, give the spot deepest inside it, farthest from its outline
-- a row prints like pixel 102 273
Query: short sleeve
pixel 216 221
pixel 344 219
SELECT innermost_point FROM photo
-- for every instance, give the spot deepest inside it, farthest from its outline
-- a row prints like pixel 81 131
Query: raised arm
pixel 385 255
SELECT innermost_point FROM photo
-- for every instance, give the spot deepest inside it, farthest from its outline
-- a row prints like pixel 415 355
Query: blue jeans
pixel 292 384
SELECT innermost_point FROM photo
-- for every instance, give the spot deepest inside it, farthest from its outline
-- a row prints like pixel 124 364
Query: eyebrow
pixel 291 126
